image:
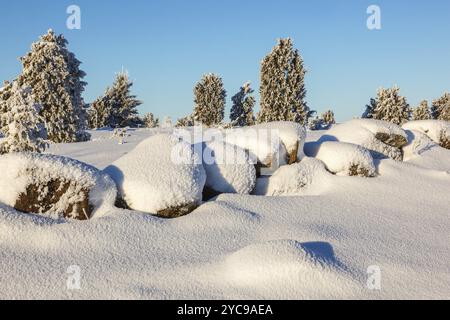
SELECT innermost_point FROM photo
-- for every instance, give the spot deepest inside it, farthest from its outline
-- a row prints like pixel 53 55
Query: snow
pixel 228 168
pixel 22 169
pixel 342 158
pixel 317 243
pixel 364 132
pixel 160 173
pixel 434 129
pixel 294 179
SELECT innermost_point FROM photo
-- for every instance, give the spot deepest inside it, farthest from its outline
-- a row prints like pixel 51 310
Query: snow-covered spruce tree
pixel 422 112
pixel 117 107
pixel 328 118
pixel 283 85
pixel 184 122
pixel 368 114
pixel 441 108
pixel 55 78
pixel 21 124
pixel 150 121
pixel 5 93
pixel 390 106
pixel 209 100
pixel 242 109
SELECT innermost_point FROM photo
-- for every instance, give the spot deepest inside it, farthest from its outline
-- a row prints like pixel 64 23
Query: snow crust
pixel 434 129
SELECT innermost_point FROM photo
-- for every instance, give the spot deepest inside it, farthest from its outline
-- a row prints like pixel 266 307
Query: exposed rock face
pixel 54 186
pixel 46 197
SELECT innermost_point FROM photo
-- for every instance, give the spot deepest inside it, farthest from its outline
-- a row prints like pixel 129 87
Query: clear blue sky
pixel 167 45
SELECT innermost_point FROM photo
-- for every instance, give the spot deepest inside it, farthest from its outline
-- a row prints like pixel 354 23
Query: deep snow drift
pixel 312 241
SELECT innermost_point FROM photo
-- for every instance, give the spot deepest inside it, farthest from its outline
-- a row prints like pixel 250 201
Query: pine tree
pixel 55 78
pixel 370 108
pixel 5 93
pixel 21 124
pixel 441 108
pixel 150 121
pixel 209 100
pixel 117 107
pixel 282 85
pixel 422 112
pixel 242 109
pixel 328 119
pixel 184 122
pixel 389 106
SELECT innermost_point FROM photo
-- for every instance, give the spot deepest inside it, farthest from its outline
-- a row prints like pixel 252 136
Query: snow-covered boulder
pixel 271 144
pixel 343 158
pixel 381 138
pixel 436 130
pixel 54 186
pixel 228 168
pixel 294 179
pixel 418 143
pixel 161 176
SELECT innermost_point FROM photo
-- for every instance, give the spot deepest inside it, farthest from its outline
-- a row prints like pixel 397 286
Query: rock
pixel 343 158
pixel 55 186
pixel 228 169
pixel 436 130
pixel 162 176
pixel 383 139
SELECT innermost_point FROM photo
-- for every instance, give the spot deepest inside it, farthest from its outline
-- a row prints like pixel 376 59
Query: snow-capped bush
pixel 161 176
pixel 150 121
pixel 228 168
pixel 54 186
pixel 436 130
pixel 293 179
pixel 382 138
pixel 343 158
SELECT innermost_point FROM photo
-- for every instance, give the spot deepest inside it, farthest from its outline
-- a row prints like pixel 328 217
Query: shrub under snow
pixel 54 186
pixel 383 139
pixel 343 158
pixel 160 176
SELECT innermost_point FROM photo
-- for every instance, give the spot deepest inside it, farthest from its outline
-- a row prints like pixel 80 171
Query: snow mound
pixel 436 130
pixel 381 138
pixel 418 143
pixel 287 265
pixel 228 168
pixel 270 144
pixel 162 176
pixel 291 134
pixel 294 179
pixel 343 158
pixel 55 186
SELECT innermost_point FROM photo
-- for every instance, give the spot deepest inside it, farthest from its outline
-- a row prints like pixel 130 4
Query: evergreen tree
pixel 150 121
pixel 282 85
pixel 328 119
pixel 187 121
pixel 242 109
pixel 422 112
pixel 389 106
pixel 441 108
pixel 209 100
pixel 117 108
pixel 55 78
pixel 21 124
pixel 5 93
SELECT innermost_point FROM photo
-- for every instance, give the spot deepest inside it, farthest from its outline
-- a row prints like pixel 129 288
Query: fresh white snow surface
pixel 317 244
pixel 160 173
pixel 434 129
pixel 340 157
pixel 228 168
